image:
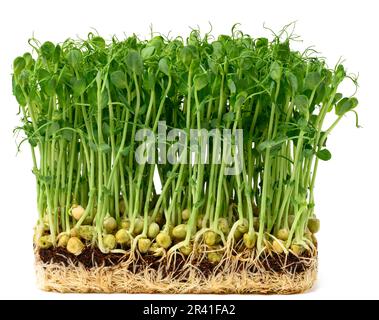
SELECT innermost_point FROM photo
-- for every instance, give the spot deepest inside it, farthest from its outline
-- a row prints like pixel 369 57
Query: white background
pixel 347 186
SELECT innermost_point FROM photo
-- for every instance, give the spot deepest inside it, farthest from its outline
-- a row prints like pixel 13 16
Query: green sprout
pixel 83 103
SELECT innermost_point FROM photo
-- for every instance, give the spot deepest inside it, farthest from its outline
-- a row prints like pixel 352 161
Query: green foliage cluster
pixel 83 101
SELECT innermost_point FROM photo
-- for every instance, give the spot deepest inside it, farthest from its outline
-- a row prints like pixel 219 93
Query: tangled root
pixel 241 273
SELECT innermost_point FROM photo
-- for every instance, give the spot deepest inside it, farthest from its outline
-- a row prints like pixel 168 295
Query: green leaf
pixel 106 129
pixel 228 117
pixel 149 80
pixel 43 74
pixel 346 105
pixel 74 58
pixel 200 81
pixel 163 66
pixel 283 51
pixel 338 96
pixel 312 80
pixel 28 59
pixel 104 99
pixel 118 78
pixel 340 74
pixel 292 80
pixel 241 97
pixel 218 50
pixel 103 147
pixel 156 42
pixel 324 154
pixel 125 151
pixel 212 65
pixel 24 77
pixel 92 146
pixel 57 115
pixel 65 75
pixel 147 52
pixel 321 94
pixel 261 42
pixel 308 151
pixel 302 123
pixel 33 142
pixel 50 86
pixel 214 123
pixel 67 134
pixel 57 53
pixel 186 56
pixel 47 50
pixel 266 144
pixel 98 42
pixel 92 95
pixel 247 63
pixel 301 102
pixel 18 65
pixel 52 129
pixel 232 86
pixel 275 71
pixel 21 99
pixel 78 86
pixel 142 109
pixel 134 62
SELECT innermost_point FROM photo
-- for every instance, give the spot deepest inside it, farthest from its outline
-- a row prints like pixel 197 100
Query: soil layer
pixel 94 258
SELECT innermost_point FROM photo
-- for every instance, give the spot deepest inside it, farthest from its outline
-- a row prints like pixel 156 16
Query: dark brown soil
pixel 89 258
pixel 93 257
pixel 290 262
